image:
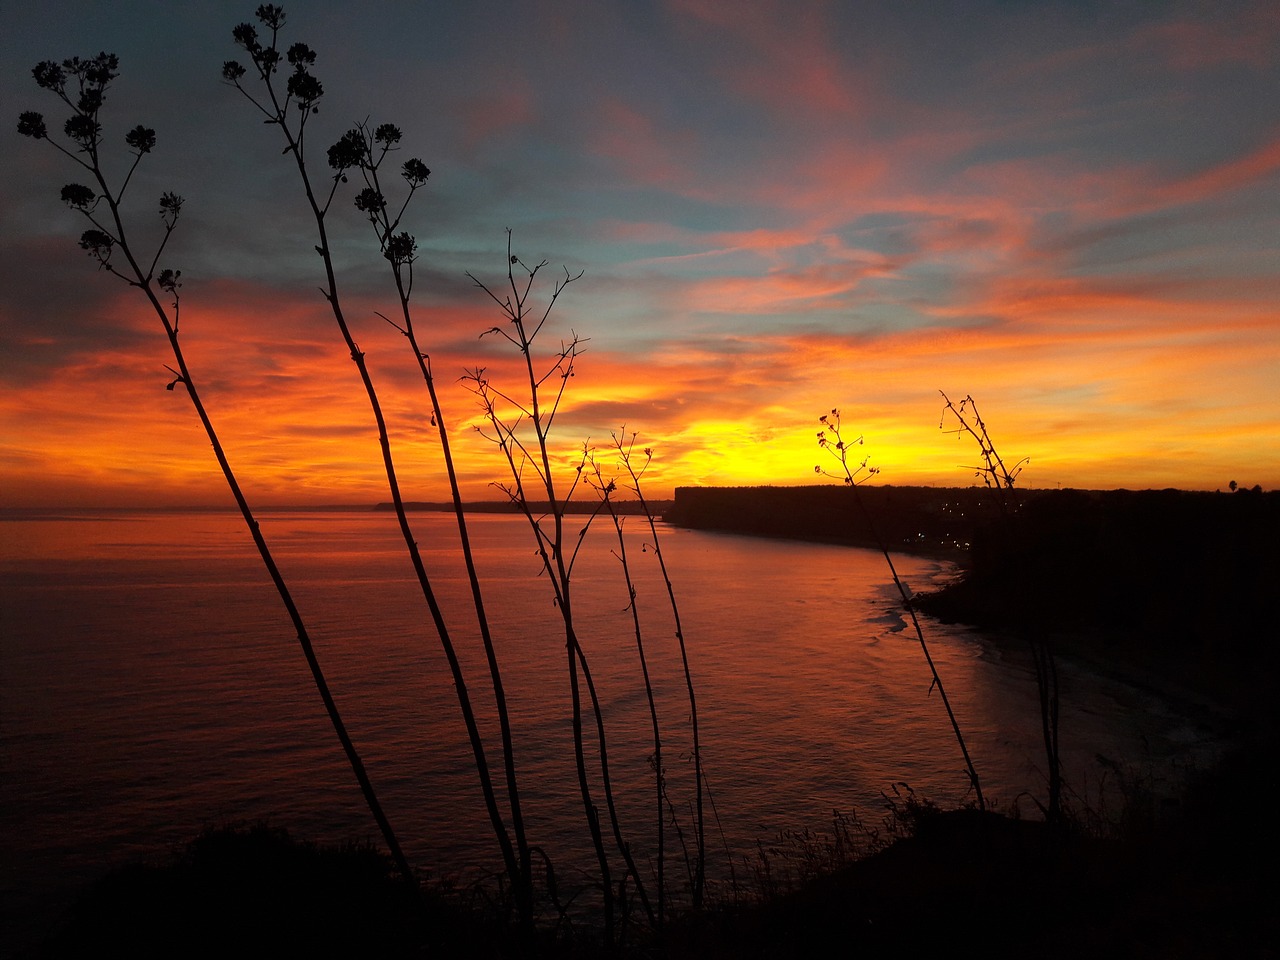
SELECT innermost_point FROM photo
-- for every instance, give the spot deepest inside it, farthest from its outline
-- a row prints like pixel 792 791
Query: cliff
pixel 918 519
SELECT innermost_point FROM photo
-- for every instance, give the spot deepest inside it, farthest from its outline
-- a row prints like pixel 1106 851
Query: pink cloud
pixel 779 55
pixel 484 116
pixel 1233 174
pixel 643 151
pixel 1248 38
pixel 780 291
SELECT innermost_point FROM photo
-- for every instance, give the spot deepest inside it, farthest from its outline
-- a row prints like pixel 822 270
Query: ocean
pixel 151 684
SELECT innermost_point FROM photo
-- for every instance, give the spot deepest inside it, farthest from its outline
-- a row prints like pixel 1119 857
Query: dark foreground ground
pixel 1189 882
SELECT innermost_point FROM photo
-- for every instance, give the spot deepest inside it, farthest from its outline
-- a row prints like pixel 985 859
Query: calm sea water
pixel 150 684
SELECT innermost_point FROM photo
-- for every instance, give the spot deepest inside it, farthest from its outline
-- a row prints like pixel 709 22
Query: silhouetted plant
pixel 290 110
pixel 626 453
pixel 992 471
pixel 795 858
pixel 606 489
pixel 832 441
pixel 1000 478
pixel 365 149
pixel 520 425
pixel 81 84
pixel 906 810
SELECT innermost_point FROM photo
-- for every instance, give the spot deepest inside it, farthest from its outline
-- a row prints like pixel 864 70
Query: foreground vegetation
pixel 544 476
pixel 1189 881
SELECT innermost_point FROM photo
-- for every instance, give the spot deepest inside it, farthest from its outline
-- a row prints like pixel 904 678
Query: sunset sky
pixel 1070 211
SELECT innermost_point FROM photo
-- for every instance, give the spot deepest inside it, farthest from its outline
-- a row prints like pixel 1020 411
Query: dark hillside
pixel 1174 581
pixel 1182 584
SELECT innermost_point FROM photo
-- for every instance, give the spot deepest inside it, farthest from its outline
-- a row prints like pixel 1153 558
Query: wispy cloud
pixel 1068 211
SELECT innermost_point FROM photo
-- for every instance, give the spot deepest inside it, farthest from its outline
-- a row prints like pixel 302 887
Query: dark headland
pixel 1173 583
pixel 920 519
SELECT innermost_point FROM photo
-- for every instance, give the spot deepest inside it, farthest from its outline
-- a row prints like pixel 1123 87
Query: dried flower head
pixel 31 124
pixel 141 139
pixel 78 196
pixel 415 172
pixel 83 129
pixel 370 201
pixel 349 151
pixel 170 280
pixel 304 88
pixel 401 248
pixel 97 243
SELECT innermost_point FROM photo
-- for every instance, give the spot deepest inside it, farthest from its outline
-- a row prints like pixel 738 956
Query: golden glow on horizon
pixel 297 428
pixel 803 209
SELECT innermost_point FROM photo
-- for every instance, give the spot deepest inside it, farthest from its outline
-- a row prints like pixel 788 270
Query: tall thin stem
pixel 400 251
pixel 625 450
pixel 101 247
pixel 537 411
pixel 1000 477
pixel 606 491
pixel 304 92
pixel 840 450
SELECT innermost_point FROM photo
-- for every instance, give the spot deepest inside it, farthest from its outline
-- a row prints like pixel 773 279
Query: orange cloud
pixel 1076 382
pixel 782 209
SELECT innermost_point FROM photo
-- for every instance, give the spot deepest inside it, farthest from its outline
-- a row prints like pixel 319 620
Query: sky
pixel 1067 210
